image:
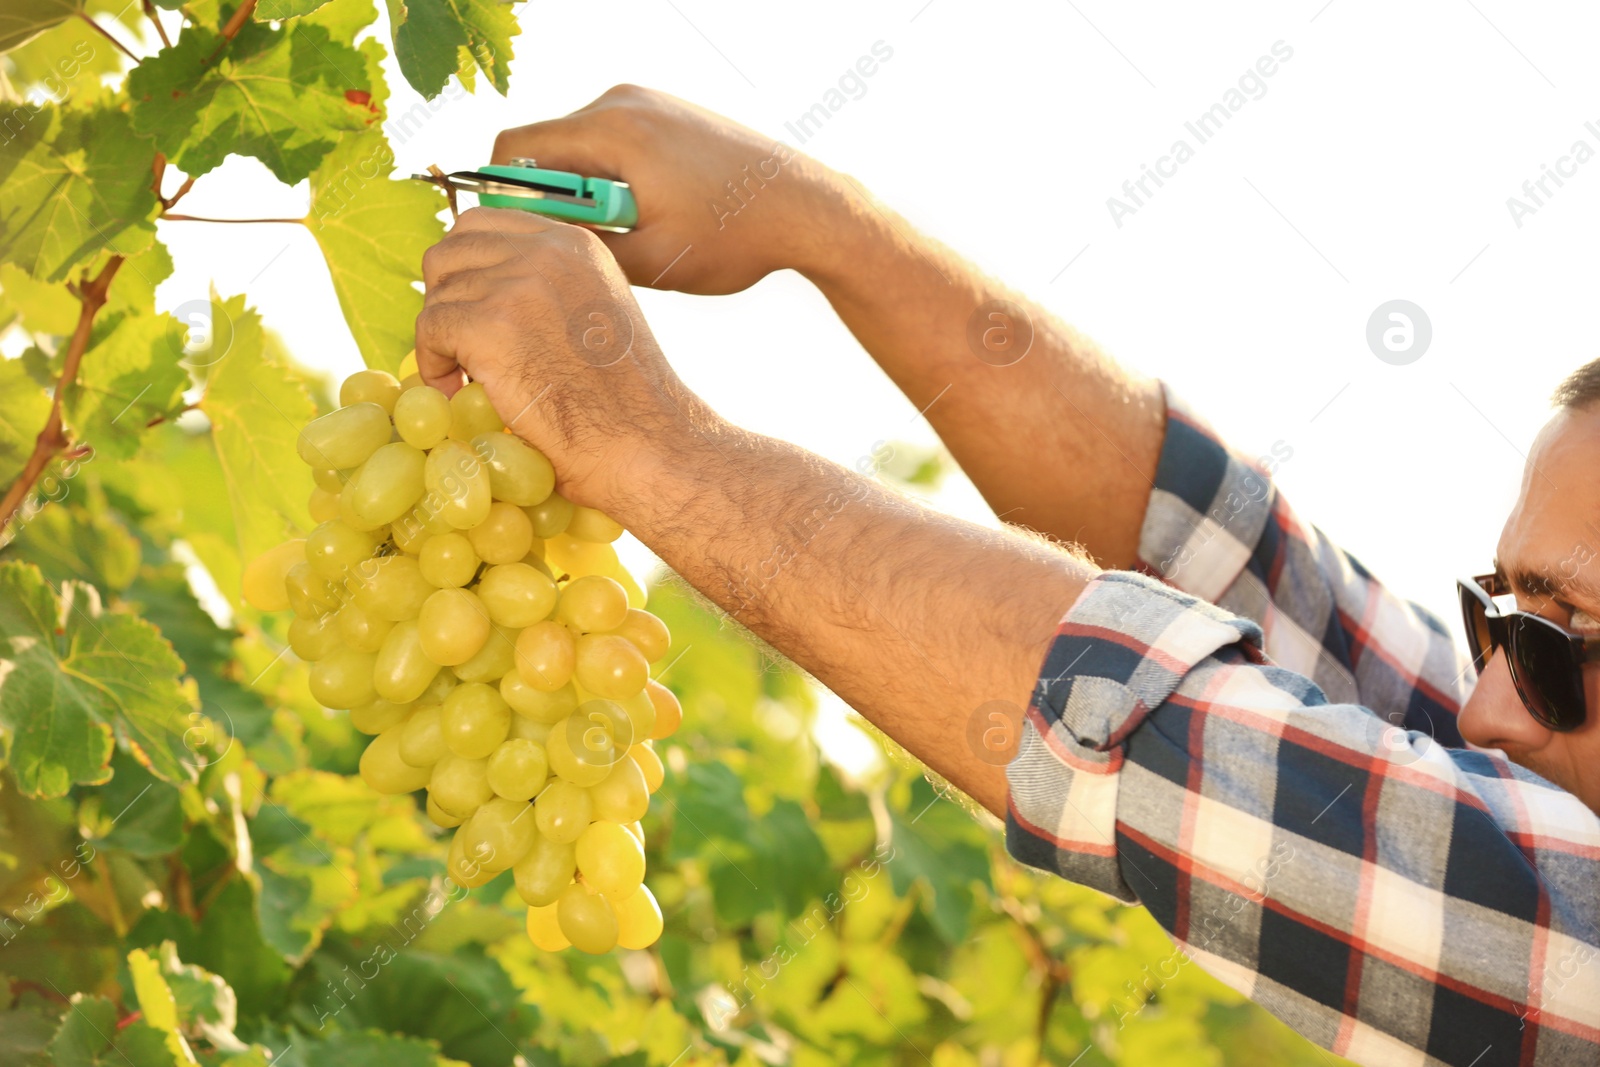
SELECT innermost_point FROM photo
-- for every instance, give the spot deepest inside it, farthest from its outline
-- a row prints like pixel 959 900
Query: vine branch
pixel 102 31
pixel 161 31
pixel 91 296
pixel 202 218
pixel 232 28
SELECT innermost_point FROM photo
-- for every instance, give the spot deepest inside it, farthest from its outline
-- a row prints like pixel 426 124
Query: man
pixel 1280 778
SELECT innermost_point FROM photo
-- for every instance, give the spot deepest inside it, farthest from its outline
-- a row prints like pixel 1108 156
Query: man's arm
pixel 1056 435
pixel 915 618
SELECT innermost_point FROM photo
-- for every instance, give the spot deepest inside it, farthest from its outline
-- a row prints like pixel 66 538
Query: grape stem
pixel 102 31
pixel 91 294
pixel 150 12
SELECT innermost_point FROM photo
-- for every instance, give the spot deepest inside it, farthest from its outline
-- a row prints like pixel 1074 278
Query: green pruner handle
pixel 596 202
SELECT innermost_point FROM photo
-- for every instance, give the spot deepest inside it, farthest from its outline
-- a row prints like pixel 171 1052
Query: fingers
pixel 439 328
pixel 578 143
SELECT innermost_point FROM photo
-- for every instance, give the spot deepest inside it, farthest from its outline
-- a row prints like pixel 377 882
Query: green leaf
pixel 367 1050
pixel 22 19
pixel 73 677
pixel 156 1002
pixel 257 407
pixel 77 183
pixel 373 230
pixel 271 10
pixel 45 308
pixel 68 540
pixel 90 1037
pixel 128 377
pixel 284 96
pixel 54 60
pixel 941 847
pixel 25 1035
pixel 135 286
pixel 142 815
pixel 23 411
pixel 428 35
pixel 344 19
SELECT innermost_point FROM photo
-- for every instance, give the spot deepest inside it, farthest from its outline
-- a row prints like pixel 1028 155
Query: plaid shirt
pixel 1392 895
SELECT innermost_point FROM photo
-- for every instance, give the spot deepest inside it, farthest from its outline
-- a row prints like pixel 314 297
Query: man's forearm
pixel 1064 440
pixel 914 618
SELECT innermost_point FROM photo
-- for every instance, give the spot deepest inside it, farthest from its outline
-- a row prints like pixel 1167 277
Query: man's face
pixel 1550 553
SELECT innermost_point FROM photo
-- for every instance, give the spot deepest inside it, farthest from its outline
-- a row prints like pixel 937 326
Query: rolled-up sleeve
pixel 1394 900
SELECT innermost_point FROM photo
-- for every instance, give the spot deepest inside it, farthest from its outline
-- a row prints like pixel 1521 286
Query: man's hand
pixel 720 206
pixel 538 311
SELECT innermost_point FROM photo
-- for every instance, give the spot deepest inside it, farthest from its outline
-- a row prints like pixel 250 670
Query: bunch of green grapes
pixel 479 626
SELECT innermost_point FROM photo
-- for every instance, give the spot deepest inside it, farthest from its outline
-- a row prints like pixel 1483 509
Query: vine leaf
pixel 77 183
pixel 256 408
pixel 23 410
pixel 284 96
pixel 130 376
pixel 372 231
pixel 283 9
pixel 429 34
pixel 74 678
pixel 22 20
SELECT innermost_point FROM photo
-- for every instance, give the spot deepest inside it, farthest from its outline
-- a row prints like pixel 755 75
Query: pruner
pixel 597 202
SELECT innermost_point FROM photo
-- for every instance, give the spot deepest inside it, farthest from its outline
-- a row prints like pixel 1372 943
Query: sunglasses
pixel 1546 661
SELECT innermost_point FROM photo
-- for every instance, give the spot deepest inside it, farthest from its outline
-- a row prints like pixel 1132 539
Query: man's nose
pixel 1494 716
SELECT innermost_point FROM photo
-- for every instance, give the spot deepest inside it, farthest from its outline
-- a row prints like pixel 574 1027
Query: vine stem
pixel 91 296
pixel 231 30
pixel 102 31
pixel 150 13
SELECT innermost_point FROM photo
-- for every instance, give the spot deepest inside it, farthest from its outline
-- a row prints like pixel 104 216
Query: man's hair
pixel 1581 388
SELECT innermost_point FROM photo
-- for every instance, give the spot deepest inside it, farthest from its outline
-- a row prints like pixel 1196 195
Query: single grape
pixel 471 413
pixel 544 929
pixel 309 594
pixel 581 559
pixel 641 714
pixel 612 717
pixel 609 666
pixel 327 478
pixel 360 630
pixel 402 670
pixel 518 769
pixel 501 831
pixel 383 769
pixel 650 764
pixel 333 548
pixel 422 417
pixel 467 861
pixel 454 625
pixel 422 740
pixel 388 485
pixel 592 604
pixel 448 560
pixel 263 582
pixel 474 720
pixel 637 830
pixel 610 860
pixel 580 748
pixel 516 595
pixel 545 653
pixel 550 516
pixel 545 871
pixel 518 473
pixel 495 659
pixel 347 513
pixel 587 524
pixel 528 730
pixel 669 712
pixel 647 633
pixel 343 679
pixel 622 796
pixel 439 688
pixel 636 595
pixel 390 587
pixel 440 817
pixel 322 505
pixel 370 386
pixel 458 485
pixel 562 811
pixel 638 919
pixel 312 639
pixel 536 704
pixel 378 716
pixel 460 786
pixel 504 536
pixel 586 920
pixel 345 438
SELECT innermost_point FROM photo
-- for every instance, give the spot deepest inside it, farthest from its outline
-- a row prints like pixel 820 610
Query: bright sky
pixel 1374 164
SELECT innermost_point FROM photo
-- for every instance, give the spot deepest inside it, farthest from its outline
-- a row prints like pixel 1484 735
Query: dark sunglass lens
pixel 1546 674
pixel 1479 640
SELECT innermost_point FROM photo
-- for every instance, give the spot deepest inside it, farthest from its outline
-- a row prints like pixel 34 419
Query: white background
pixel 1376 166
